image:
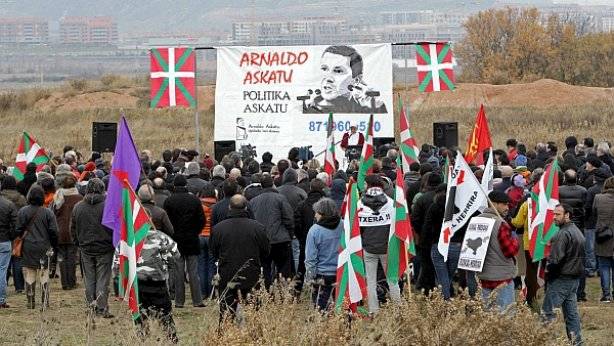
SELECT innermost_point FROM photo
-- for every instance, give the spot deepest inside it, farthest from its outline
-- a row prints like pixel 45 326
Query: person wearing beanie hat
pixel 194 182
pixel 95 243
pixel 303 179
pixel 188 219
pixel 499 268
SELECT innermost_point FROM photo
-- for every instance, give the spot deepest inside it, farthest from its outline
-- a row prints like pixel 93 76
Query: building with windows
pixel 88 30
pixel 24 30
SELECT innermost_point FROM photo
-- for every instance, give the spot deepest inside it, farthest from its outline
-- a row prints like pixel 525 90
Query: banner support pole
pixel 197 130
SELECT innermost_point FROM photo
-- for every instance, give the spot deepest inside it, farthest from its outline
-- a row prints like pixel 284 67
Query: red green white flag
pixel 409 147
pixel 29 151
pixel 435 66
pixel 366 157
pixel 400 241
pixel 544 198
pixel 173 77
pixel 329 154
pixel 351 283
pixel 134 227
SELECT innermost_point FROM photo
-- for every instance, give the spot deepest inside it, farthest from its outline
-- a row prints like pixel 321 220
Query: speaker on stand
pixel 445 134
pixel 104 136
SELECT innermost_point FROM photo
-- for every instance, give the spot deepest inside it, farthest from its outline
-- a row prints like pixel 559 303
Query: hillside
pixel 539 111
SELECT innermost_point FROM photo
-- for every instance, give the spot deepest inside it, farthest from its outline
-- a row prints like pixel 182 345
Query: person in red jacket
pixel 352 138
pixel 516 192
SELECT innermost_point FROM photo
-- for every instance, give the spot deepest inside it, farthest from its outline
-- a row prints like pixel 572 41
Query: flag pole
pixel 197 129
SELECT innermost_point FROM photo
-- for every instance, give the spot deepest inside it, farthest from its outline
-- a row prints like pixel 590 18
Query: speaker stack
pixel 104 136
pixel 445 134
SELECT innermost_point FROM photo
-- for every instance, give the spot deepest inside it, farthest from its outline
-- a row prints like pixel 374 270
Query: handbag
pixel 604 234
pixel 18 242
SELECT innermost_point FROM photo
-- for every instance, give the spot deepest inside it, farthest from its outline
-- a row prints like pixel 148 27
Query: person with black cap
pixel 186 214
pixel 499 267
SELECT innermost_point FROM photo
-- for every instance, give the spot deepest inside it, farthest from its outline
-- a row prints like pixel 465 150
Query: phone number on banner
pixel 343 126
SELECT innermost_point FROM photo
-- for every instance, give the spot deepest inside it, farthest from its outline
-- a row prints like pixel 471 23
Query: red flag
pixel 479 140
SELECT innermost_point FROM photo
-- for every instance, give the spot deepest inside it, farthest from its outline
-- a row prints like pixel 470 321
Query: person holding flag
pixel 376 213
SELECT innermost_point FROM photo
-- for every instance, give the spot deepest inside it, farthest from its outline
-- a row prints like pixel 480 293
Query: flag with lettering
pixel 173 77
pixel 351 276
pixel 409 147
pixel 464 198
pixel 435 66
pixel 134 227
pixel 29 151
pixel 329 154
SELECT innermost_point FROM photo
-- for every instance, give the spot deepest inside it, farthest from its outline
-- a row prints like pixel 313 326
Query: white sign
pixel 276 98
pixel 475 244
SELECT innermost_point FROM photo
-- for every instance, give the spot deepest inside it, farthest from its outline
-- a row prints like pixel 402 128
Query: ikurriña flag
pixel 400 240
pixel 544 198
pixel 29 151
pixel 135 224
pixel 173 77
pixel 435 65
pixel 409 147
pixel 351 277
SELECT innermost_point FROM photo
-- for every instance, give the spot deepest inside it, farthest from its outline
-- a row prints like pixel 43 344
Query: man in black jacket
pixel 564 268
pixel 273 211
pixel 8 220
pixel 303 218
pixel 239 244
pixel 188 218
pixel 95 242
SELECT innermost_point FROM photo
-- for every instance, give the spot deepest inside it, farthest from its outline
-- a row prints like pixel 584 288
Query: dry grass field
pixel 539 111
pixel 280 322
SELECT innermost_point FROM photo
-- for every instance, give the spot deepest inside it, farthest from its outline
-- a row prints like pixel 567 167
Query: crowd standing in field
pixel 221 226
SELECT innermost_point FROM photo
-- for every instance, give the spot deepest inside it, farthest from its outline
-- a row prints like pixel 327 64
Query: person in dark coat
pixel 255 188
pixel 8 189
pixel 337 192
pixel 220 209
pixel 195 183
pixel 29 178
pixel 288 188
pixel 273 211
pixel 38 228
pixel 304 219
pixel 188 218
pixel 303 180
pixel 161 193
pixel 8 221
pixel 426 277
pixel 95 242
pixel 240 245
pixel 63 204
pixel 158 216
pixel 267 163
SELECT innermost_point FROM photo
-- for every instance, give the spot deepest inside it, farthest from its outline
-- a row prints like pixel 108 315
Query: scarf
pixel 58 199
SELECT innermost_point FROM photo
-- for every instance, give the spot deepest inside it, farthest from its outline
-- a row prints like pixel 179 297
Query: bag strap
pixel 30 222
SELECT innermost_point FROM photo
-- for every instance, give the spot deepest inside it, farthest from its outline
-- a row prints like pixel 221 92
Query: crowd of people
pixel 221 226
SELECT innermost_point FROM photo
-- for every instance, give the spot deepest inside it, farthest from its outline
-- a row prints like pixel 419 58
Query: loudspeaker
pixel 445 134
pixel 104 136
pixel 222 148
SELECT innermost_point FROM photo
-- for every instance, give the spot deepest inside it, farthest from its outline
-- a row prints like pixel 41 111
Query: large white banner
pixel 276 98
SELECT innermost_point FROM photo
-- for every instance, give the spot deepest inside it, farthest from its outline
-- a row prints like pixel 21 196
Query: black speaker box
pixel 104 136
pixel 445 134
pixel 222 148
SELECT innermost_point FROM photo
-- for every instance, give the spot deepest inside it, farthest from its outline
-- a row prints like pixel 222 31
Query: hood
pixel 338 190
pixel 374 198
pixel 93 198
pixel 331 222
pixel 290 177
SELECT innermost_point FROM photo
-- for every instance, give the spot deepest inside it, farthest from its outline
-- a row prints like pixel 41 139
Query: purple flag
pixel 126 165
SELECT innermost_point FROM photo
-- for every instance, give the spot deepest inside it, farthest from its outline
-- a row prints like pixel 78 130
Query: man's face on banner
pixel 336 75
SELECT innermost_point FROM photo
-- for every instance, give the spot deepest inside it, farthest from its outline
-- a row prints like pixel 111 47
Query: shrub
pixel 78 84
